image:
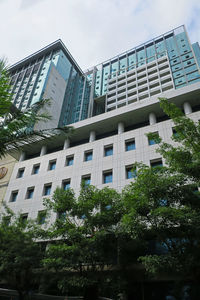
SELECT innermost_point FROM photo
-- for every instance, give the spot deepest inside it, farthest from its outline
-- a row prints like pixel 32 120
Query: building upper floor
pixel 168 62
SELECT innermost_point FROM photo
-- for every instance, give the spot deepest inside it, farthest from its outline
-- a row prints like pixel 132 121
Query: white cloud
pixel 92 30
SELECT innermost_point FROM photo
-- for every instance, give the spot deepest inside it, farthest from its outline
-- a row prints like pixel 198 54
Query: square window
pixel 88 156
pixel 108 150
pixel 52 165
pixel 20 173
pixel 86 180
pixel 130 145
pixel 29 193
pixel 107 177
pixel 154 139
pixel 70 160
pixel 66 184
pixel 130 172
pixel 41 217
pixel 14 195
pixel 47 189
pixel 36 169
pixel 156 163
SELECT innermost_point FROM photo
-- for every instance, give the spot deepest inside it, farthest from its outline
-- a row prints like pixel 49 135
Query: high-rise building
pixel 112 106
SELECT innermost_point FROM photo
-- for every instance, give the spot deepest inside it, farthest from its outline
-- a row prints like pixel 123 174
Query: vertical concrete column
pixel 187 108
pixel 120 127
pixel 43 150
pixel 152 118
pixel 92 136
pixel 22 156
pixel 66 144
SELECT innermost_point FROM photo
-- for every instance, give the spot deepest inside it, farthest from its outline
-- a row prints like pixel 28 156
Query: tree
pixel 20 254
pixel 85 245
pixel 163 204
pixel 16 127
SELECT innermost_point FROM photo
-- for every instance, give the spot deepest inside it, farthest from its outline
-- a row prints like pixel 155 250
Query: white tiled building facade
pixel 104 147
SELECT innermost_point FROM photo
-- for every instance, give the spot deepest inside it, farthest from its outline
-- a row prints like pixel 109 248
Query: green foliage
pixel 20 254
pixel 85 234
pixel 162 206
pixel 183 157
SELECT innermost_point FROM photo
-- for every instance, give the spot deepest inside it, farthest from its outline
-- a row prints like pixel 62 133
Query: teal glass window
pixel 52 165
pixel 47 189
pixel 131 60
pixel 114 68
pixel 107 177
pixel 108 150
pixel 88 156
pixel 150 50
pixel 160 47
pixel 153 141
pixel 141 56
pixel 30 192
pixel 130 172
pixel 70 160
pixel 106 73
pixel 86 180
pixel 130 145
pixel 66 184
pixel 194 75
pixel 14 195
pixel 171 47
pixel 36 169
pixel 20 173
pixel 180 80
pixel 122 64
pixel 156 163
pixel 41 217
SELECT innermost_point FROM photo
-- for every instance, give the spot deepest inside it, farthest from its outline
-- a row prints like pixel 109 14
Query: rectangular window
pixel 86 180
pixel 88 155
pixel 29 193
pixel 66 184
pixel 20 173
pixel 47 189
pixel 24 218
pixel 52 165
pixel 108 150
pixel 107 176
pixel 41 217
pixel 13 196
pixel 70 160
pixel 156 163
pixel 130 145
pixel 154 139
pixel 36 169
pixel 174 132
pixel 130 172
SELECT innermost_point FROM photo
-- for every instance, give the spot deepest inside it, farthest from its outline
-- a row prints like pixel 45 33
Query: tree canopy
pixel 20 254
pixel 162 205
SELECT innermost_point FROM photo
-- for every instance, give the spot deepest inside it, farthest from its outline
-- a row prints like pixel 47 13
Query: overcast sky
pixel 92 30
